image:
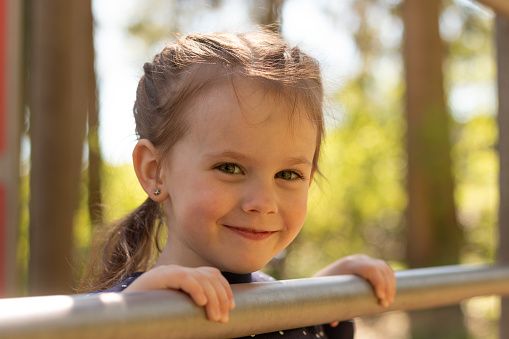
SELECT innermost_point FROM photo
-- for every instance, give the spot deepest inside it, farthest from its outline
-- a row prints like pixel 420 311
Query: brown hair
pixel 177 75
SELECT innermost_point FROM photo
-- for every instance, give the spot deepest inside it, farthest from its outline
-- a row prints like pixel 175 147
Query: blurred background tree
pixel 390 171
pixel 57 99
pixel 433 234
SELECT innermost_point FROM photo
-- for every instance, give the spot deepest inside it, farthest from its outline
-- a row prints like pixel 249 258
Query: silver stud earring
pixel 157 191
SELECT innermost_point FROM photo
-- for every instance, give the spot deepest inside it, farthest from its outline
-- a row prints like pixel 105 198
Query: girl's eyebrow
pixel 298 161
pixel 292 161
pixel 229 154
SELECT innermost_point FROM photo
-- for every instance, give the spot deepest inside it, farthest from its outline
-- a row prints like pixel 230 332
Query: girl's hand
pixel 206 286
pixel 376 271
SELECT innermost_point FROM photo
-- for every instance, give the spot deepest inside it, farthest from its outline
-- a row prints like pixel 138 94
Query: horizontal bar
pixel 260 307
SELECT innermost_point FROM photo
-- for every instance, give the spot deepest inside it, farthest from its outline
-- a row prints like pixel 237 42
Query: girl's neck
pixel 171 255
pixel 233 278
pixel 167 258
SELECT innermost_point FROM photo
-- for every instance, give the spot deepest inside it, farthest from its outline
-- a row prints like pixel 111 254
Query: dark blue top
pixel 345 329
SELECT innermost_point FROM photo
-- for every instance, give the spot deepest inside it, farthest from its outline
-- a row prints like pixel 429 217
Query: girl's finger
pixel 192 286
pixel 377 280
pixel 389 284
pixel 228 291
pixel 392 286
pixel 222 296
pixel 213 304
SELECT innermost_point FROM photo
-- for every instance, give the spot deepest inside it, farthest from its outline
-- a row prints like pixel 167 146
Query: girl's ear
pixel 145 160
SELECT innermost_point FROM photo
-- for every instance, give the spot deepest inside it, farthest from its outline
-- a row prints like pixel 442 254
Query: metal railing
pixel 260 307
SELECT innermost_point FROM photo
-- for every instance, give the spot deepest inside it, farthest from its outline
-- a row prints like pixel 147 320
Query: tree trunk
pixel 433 237
pixel 270 14
pixel 502 39
pixel 94 150
pixel 58 104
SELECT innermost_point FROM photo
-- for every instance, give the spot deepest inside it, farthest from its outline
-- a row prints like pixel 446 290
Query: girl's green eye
pixel 229 168
pixel 288 175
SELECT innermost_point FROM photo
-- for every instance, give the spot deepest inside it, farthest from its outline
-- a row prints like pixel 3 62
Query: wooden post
pixel 3 139
pixel 502 42
pixel 58 110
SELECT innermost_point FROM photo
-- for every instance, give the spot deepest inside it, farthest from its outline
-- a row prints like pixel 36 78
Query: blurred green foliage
pixel 357 205
pixel 121 193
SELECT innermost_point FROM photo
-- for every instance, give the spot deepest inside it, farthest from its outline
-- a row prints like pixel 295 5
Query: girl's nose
pixel 260 198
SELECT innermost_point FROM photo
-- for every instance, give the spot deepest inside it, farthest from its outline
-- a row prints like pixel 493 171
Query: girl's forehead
pixel 255 102
pixel 246 109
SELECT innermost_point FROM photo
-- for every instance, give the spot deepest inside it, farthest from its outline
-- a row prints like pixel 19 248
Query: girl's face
pixel 238 180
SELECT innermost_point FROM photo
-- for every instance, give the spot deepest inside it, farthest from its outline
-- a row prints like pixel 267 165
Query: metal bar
pixel 261 307
pixel 498 6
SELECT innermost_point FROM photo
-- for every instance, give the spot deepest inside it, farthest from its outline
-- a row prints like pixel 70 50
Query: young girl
pixel 230 128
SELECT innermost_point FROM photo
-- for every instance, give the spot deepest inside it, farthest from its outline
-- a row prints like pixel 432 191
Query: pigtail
pixel 130 246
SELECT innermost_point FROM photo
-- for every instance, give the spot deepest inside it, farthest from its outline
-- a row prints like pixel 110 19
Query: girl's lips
pixel 250 233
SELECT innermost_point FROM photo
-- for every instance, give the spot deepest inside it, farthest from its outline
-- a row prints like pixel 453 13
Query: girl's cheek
pixel 303 208
pixel 296 210
pixel 210 200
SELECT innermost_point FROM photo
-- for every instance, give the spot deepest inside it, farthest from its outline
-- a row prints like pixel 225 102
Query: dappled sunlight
pixel 481 316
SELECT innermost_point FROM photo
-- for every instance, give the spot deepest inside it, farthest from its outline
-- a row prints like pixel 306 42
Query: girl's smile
pixel 238 180
pixel 250 233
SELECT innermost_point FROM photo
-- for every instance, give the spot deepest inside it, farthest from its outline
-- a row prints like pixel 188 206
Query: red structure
pixel 10 94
